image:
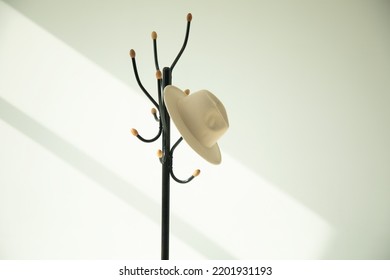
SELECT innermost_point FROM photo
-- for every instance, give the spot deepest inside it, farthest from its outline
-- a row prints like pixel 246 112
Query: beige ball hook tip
pixel 134 132
pixel 158 75
pixel 132 53
pixel 159 154
pixel 154 111
pixel 196 173
pixel 189 17
pixel 154 35
pixel 187 91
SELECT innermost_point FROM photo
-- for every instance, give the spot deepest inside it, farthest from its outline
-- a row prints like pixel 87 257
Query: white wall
pixel 305 163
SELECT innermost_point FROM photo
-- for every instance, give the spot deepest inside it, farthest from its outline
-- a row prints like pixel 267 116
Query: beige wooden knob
pixel 134 132
pixel 159 154
pixel 196 173
pixel 154 35
pixel 132 53
pixel 158 75
pixel 154 111
pixel 189 17
pixel 187 91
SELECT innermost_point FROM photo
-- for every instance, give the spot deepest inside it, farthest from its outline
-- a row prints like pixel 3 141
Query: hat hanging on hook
pixel 200 118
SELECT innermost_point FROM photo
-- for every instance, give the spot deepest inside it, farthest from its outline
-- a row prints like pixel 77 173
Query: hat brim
pixel 172 95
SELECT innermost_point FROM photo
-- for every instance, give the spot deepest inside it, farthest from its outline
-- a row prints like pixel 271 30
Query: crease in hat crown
pixel 201 119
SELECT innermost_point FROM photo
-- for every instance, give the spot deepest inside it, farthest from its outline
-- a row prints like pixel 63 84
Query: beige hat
pixel 200 118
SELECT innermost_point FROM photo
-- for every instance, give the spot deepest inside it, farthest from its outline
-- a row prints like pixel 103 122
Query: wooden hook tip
pixel 159 154
pixel 132 53
pixel 196 173
pixel 158 75
pixel 154 111
pixel 187 91
pixel 154 35
pixel 134 132
pixel 189 17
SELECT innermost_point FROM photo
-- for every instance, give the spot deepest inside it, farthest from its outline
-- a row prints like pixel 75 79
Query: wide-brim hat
pixel 200 118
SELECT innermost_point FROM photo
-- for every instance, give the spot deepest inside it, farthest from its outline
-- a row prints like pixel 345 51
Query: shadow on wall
pixel 107 179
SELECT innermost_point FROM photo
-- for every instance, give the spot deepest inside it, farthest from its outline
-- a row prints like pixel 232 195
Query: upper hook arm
pixel 189 18
pixel 132 55
pixel 154 37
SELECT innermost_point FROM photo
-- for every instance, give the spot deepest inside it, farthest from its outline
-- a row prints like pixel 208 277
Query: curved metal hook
pixel 196 172
pixel 135 133
pixel 182 181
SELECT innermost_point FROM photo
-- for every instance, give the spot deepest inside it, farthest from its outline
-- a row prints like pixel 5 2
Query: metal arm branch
pixel 189 18
pixel 196 172
pixel 132 55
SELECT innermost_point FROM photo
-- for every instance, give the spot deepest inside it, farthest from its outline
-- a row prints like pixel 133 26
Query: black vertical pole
pixel 166 168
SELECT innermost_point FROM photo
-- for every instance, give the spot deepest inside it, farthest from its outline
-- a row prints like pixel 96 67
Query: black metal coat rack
pixel 164 79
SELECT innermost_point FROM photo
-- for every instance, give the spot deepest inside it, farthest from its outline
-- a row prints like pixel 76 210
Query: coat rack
pixel 200 133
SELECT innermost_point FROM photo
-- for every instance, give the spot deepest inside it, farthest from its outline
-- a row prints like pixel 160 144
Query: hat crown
pixel 205 116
